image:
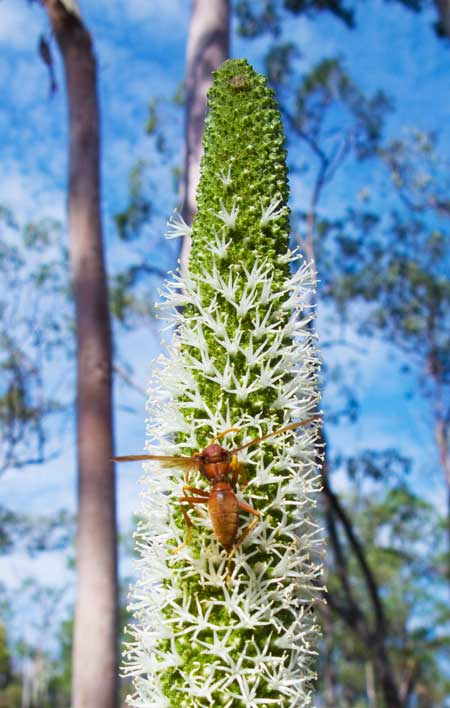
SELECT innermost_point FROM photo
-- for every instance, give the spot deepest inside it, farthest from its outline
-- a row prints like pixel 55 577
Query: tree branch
pixel 376 639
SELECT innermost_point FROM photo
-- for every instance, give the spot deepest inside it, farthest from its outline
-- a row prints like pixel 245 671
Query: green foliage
pixel 152 121
pixel 5 659
pixel 132 291
pixel 179 98
pixel 35 333
pixel 389 273
pixel 310 7
pixel 328 88
pixel 387 466
pixel 44 643
pixel 35 534
pixel 402 536
pixel 139 210
pixel 11 695
pixel 130 297
pixel 419 171
pixel 400 270
pixel 279 60
pixel 30 662
pixel 256 17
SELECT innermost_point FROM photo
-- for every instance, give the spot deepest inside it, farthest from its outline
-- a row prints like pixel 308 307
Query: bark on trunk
pixel 208 47
pixel 95 641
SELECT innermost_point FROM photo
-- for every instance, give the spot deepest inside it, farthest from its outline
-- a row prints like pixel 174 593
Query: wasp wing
pixel 166 460
pixel 291 426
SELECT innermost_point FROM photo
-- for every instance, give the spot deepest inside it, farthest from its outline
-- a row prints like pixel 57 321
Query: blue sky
pixel 141 49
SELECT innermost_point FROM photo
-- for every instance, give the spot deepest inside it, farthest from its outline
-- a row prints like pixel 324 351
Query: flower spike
pixel 210 631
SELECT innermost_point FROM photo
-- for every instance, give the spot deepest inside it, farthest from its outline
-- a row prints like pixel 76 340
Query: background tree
pixel 95 638
pixel 208 47
pixel 398 266
pixel 402 537
pixel 259 16
pixel 34 331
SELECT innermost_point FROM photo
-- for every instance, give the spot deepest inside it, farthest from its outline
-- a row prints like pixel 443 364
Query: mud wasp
pixel 216 463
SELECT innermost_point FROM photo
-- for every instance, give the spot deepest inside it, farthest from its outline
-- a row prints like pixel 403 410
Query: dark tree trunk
pixel 95 640
pixel 208 47
pixel 372 632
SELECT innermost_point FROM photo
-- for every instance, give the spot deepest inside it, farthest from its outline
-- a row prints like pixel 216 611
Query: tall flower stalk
pixel 242 356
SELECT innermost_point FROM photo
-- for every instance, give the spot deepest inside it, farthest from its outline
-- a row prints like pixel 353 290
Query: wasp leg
pixel 221 435
pixel 189 524
pixel 195 490
pixel 238 471
pixel 250 510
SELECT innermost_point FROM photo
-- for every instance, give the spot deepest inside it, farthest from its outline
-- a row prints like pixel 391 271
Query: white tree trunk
pixel 207 49
pixel 94 683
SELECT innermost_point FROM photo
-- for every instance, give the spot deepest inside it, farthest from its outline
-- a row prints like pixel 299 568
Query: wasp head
pixel 215 453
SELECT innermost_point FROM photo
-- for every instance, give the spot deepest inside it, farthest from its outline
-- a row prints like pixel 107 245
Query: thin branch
pixel 376 640
pixel 380 623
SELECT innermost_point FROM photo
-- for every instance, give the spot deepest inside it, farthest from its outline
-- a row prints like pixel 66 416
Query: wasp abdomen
pixel 224 513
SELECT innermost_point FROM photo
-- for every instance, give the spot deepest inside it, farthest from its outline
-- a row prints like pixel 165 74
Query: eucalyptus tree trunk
pixel 208 47
pixel 94 652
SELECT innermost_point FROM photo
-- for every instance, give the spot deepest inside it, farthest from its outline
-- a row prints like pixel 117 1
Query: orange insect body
pixel 223 505
pixel 223 510
pixel 216 463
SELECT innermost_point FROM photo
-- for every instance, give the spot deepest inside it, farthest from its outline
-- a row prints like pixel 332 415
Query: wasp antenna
pixel 291 426
pixel 133 458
